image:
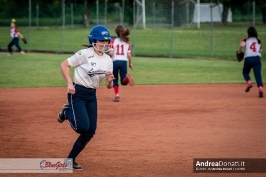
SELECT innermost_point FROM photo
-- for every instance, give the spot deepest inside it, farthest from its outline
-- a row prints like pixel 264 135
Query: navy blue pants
pixel 82 117
pixel 255 63
pixel 14 42
pixel 119 67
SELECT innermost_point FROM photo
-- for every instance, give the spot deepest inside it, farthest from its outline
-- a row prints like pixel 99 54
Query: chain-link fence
pixel 178 28
pixel 195 29
pixel 160 13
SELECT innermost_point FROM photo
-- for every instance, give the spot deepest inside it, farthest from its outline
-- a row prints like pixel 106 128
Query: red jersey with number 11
pixel 120 49
pixel 253 48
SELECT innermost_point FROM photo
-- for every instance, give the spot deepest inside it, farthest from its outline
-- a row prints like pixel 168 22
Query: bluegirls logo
pixel 46 165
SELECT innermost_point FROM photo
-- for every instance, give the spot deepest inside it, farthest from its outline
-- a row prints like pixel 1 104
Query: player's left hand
pixel 24 40
pixel 131 67
pixel 239 56
pixel 109 76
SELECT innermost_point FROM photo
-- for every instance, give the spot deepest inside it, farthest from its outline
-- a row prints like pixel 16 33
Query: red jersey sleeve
pixel 112 44
pixel 244 40
pixel 16 30
pixel 128 47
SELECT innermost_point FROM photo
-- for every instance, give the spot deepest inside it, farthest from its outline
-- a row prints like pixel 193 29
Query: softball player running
pixel 120 53
pixel 252 58
pixel 91 65
pixel 14 33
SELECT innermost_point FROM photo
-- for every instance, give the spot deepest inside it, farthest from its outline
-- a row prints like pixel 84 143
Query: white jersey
pixel 14 32
pixel 90 68
pixel 253 48
pixel 120 49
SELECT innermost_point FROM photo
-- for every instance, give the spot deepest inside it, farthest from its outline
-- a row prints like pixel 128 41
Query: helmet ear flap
pixel 91 41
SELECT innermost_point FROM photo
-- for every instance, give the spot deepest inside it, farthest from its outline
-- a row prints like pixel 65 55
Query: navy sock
pixel 77 148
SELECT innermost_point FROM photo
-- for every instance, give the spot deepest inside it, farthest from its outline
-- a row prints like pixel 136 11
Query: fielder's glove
pixel 24 40
pixel 239 56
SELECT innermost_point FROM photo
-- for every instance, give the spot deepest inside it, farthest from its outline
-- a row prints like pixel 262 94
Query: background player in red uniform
pixel 15 34
pixel 252 58
pixel 120 53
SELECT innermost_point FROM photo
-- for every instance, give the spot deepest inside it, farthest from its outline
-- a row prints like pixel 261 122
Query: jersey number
pixel 118 52
pixel 253 46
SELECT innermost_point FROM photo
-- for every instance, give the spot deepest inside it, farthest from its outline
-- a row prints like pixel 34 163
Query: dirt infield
pixel 153 131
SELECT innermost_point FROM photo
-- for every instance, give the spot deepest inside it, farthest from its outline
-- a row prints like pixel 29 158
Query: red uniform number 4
pixel 118 50
pixel 253 46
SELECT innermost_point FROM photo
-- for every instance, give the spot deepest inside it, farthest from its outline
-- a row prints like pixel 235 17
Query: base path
pixel 153 131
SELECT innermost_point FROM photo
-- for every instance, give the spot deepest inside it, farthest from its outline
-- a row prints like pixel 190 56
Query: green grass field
pixel 42 70
pixel 187 42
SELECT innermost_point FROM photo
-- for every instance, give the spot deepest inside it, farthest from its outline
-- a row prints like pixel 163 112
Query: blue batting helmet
pixel 99 33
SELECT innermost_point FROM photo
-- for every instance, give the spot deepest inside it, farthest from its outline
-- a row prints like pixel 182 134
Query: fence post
pixel 172 26
pixel 187 13
pixel 154 14
pixel 134 26
pixel 63 25
pixel 253 9
pixel 72 15
pixel 198 14
pixel 29 30
pixel 123 10
pixel 105 13
pixel 143 14
pixel 97 11
pixel 211 6
pixel 37 15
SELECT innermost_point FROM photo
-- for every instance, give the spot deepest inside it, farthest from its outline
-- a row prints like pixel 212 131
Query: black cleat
pixel 76 166
pixel 62 114
pixel 260 94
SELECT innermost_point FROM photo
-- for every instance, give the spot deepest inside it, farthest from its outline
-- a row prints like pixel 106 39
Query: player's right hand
pixel 131 67
pixel 109 76
pixel 71 89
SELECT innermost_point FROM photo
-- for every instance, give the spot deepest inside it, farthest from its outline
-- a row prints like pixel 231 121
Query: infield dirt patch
pixel 152 131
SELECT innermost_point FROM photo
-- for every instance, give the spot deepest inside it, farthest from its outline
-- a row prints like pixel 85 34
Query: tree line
pixel 14 8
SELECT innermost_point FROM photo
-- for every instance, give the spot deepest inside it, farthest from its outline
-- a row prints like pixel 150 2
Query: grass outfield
pixel 42 70
pixel 188 42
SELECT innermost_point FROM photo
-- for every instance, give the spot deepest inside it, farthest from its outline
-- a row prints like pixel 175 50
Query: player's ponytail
pixel 252 32
pixel 86 45
pixel 126 34
pixel 122 33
